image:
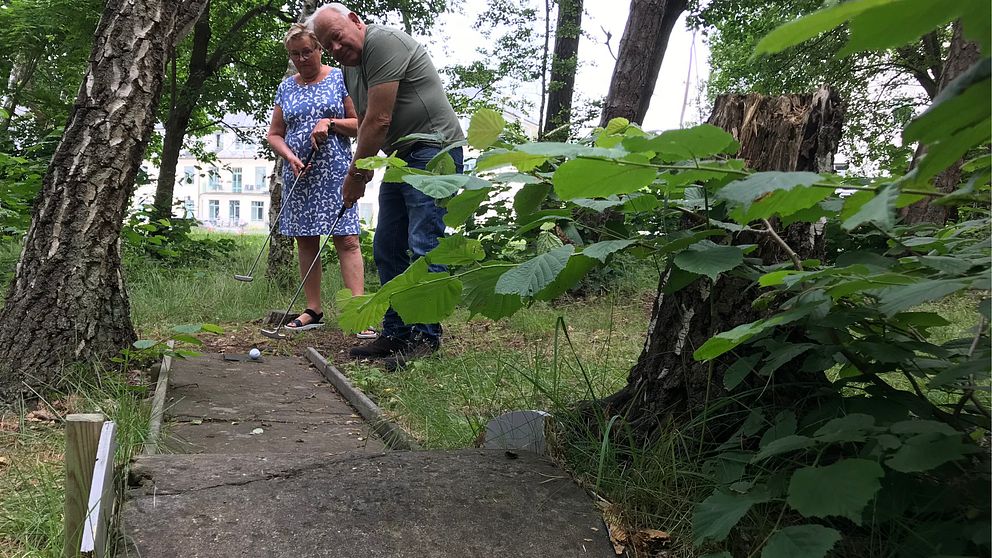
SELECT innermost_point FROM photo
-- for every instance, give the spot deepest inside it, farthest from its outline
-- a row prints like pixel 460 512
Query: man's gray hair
pixel 335 6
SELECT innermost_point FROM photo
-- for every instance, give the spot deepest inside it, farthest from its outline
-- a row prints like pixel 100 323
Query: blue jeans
pixel 410 224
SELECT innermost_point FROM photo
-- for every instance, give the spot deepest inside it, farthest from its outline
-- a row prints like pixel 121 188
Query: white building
pixel 232 192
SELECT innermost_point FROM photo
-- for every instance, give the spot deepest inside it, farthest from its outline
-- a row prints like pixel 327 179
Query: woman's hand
pixel 296 164
pixel 320 132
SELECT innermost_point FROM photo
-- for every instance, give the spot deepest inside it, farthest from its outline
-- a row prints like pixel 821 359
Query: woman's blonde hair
pixel 300 31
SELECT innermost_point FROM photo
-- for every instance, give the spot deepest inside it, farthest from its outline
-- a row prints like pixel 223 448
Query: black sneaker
pixel 412 352
pixel 380 348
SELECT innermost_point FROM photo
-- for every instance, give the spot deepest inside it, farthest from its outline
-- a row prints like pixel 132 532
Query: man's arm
pixel 372 129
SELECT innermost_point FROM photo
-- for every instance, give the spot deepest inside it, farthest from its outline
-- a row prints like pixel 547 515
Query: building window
pixel 214 207
pixel 257 210
pixel 236 180
pixel 261 178
pixel 189 174
pixel 235 212
pixel 219 138
pixel 190 207
pixel 214 180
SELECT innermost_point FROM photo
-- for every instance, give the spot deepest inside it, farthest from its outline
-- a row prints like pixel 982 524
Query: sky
pixel 454 41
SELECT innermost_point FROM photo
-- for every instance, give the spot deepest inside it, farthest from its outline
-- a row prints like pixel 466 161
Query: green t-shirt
pixel 421 105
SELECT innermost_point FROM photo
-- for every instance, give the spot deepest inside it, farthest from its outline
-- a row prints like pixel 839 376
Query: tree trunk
pixel 280 258
pixel 787 133
pixel 279 264
pixel 641 51
pixel 961 56
pixel 20 75
pixel 67 301
pixel 563 65
pixel 176 124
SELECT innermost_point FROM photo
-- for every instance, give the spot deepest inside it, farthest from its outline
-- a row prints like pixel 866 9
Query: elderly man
pixel 397 92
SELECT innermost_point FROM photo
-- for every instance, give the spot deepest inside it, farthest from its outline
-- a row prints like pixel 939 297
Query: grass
pixel 544 357
pixel 32 472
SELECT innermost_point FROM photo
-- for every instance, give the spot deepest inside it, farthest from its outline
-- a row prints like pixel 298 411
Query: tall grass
pixel 32 475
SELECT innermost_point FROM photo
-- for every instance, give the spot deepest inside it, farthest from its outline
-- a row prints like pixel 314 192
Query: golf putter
pixel 249 277
pixel 276 333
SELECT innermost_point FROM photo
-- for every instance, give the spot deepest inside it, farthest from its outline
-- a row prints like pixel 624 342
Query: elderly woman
pixel 314 102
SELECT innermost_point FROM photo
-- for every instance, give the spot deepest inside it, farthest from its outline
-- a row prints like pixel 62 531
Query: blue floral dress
pixel 310 209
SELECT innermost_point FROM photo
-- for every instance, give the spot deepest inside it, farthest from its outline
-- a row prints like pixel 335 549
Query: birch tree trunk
pixel 68 302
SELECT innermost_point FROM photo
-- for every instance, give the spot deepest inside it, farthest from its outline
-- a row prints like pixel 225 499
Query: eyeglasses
pixel 303 54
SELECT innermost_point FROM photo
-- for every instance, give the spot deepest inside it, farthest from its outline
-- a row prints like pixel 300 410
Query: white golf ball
pixel 254 354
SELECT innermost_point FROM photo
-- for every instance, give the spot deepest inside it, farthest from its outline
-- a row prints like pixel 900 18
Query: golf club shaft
pixel 306 275
pixel 282 207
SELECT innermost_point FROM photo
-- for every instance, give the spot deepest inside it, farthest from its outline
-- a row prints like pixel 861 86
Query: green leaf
pixel 601 250
pixel 529 198
pixel 429 302
pixel 739 370
pixel 498 158
pixel 919 426
pixel 715 516
pixel 707 258
pixel 456 250
pixel 437 186
pixel 576 268
pixel 785 444
pixel 727 340
pixel 893 300
pixel 187 328
pixel 947 151
pixel 977 23
pixel 690 143
pixel 677 280
pixel 186 338
pixel 547 241
pixel 516 178
pixel 463 206
pixel 841 489
pixel 849 428
pixel 958 106
pixel 533 275
pixel 211 328
pixel 597 205
pixel 924 452
pixel 879 209
pixel 442 163
pixel 807 27
pixel 485 128
pixel 480 295
pixel 745 191
pixel 143 344
pixel 593 178
pixel 897 23
pixel 808 541
pixel 364 311
pixel 947 264
pixel 641 202
pixel 555 149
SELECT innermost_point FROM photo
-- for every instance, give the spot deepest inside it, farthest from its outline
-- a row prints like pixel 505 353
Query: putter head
pixel 274 333
pixel 244 278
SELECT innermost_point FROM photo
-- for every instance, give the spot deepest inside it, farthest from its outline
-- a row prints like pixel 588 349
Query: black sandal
pixel 297 325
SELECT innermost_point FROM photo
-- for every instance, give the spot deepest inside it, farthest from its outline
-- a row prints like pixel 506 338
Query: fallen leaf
pixel 618 537
pixel 196 421
pixel 40 415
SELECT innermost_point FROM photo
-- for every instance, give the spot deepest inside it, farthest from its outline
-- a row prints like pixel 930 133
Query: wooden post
pixel 82 437
pixel 101 500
